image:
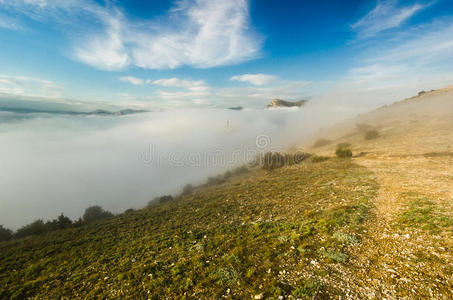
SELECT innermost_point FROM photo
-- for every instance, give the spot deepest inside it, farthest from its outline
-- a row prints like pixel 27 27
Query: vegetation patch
pixel 438 154
pixel 318 159
pixel 343 150
pixel 425 214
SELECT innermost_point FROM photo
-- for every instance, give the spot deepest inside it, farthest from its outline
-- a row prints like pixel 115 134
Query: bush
pixel 343 150
pixel 60 223
pixel 94 213
pixel 5 234
pixel 187 189
pixel 321 142
pixel 275 160
pixel 371 134
pixel 34 228
pixel 343 153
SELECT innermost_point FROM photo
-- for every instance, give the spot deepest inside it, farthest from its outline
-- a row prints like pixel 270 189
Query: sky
pixel 162 55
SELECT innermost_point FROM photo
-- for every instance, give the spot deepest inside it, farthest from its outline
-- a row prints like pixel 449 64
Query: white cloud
pixel 255 79
pixel 133 80
pixel 181 83
pixel 21 85
pixel 197 33
pixel 205 33
pixel 384 16
pixel 105 51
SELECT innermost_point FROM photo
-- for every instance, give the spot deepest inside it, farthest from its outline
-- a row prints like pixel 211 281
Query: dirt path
pixel 407 260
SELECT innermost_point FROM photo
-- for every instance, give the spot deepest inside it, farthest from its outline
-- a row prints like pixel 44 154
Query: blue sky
pixel 215 53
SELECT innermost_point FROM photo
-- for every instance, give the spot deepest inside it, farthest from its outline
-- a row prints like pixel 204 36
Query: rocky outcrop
pixel 283 103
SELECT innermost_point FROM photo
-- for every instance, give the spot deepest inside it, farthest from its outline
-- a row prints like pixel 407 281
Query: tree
pixel 36 227
pixel 96 212
pixel 5 233
pixel 63 222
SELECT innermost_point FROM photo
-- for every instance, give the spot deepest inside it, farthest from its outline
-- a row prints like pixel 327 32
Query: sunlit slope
pixel 406 252
pixel 270 234
pixel 417 125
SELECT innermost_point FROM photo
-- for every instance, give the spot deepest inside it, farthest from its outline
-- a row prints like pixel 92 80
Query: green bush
pixel 371 134
pixel 343 153
pixel 94 213
pixel 275 160
pixel 34 228
pixel 343 150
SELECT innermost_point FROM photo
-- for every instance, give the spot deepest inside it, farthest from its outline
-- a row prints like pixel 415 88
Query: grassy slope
pixel 277 233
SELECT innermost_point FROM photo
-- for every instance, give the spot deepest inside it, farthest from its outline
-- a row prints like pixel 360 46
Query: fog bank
pixel 63 164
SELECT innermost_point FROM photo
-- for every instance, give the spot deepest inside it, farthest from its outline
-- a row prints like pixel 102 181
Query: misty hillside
pixel 375 225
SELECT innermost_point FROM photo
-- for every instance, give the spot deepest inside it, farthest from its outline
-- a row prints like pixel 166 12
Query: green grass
pixel 425 214
pixel 238 239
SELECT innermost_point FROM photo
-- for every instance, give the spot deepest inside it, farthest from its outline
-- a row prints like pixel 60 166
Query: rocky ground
pixel 407 252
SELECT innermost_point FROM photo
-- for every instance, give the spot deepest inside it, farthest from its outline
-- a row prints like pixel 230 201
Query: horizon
pixel 211 54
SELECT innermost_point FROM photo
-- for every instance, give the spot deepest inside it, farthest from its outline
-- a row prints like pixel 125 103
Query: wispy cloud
pixel 418 58
pixel 133 80
pixel 21 85
pixel 181 83
pixel 7 22
pixel 197 33
pixel 255 79
pixel 386 15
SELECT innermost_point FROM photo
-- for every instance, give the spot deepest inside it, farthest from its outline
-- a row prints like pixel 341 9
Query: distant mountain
pixel 283 103
pixel 98 112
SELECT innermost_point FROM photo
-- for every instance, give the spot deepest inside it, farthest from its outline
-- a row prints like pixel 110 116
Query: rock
pixel 283 103
pixel 259 296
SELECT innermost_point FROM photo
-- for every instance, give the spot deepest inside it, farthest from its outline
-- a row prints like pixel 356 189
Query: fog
pixel 63 164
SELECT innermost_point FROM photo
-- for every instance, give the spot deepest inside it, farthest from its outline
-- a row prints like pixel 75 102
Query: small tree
pixel 5 234
pixel 94 213
pixel 63 222
pixel 34 228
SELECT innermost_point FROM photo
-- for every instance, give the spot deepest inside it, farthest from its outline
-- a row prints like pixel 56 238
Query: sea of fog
pixel 52 164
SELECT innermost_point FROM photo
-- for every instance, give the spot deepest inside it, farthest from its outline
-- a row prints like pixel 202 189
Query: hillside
pixel 407 251
pixel 378 225
pixel 267 234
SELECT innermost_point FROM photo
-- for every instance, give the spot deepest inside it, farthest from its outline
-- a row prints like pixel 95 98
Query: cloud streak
pixel 133 80
pixel 255 79
pixel 22 85
pixel 386 15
